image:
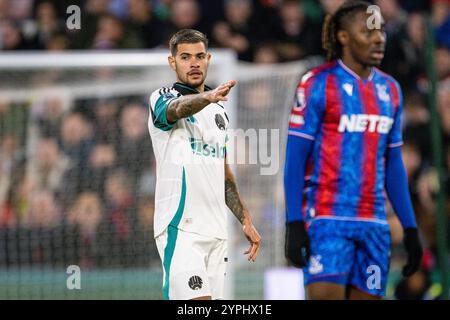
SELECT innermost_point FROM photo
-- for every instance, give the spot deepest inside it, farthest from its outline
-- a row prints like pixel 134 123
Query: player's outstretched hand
pixel 220 93
pixel 297 248
pixel 254 238
pixel 414 249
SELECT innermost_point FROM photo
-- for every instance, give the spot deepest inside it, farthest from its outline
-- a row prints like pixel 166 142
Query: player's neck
pixel 200 88
pixel 363 71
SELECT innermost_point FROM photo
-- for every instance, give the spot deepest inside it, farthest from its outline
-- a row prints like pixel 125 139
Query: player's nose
pixel 194 63
pixel 379 37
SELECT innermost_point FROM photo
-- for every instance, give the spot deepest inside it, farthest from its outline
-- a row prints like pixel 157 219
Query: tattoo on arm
pixel 232 198
pixel 186 106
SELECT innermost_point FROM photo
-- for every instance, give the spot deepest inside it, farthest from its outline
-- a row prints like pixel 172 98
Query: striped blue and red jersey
pixel 352 122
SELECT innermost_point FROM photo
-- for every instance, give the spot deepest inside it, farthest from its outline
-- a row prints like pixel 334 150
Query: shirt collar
pixel 185 89
pixel 353 73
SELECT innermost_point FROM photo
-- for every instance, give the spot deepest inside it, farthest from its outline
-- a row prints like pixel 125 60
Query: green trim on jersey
pixel 160 113
pixel 172 230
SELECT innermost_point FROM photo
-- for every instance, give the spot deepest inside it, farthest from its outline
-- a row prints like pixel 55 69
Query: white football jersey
pixel 190 160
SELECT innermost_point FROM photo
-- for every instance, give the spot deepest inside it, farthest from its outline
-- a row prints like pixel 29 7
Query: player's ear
pixel 343 37
pixel 171 60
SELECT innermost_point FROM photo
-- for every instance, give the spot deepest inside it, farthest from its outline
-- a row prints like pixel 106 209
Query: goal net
pixel 77 172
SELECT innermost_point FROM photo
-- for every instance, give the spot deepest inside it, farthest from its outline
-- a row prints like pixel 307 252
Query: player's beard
pixel 193 83
pixel 369 62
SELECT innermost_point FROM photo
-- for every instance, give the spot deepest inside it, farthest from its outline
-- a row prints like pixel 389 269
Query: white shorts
pixel 194 265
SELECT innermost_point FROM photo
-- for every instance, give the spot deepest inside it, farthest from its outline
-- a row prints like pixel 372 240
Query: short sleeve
pixel 159 102
pixel 395 134
pixel 308 107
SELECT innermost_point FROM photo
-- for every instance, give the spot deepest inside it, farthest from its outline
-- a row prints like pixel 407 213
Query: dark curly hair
pixel 335 22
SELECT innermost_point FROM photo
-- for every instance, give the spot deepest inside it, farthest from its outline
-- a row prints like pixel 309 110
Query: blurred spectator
pixel 297 35
pixel 102 160
pixel 12 171
pixel 58 42
pixel 416 118
pixel 266 53
pixel 42 226
pixel 4 9
pixel 412 160
pixel 119 8
pixel 8 157
pixel 414 165
pixel 76 136
pixel 11 37
pixel 43 210
pixel 92 11
pixel 48 112
pixel 405 45
pixel 148 27
pixel 134 149
pixel 417 287
pixel 441 21
pixel 120 218
pixel 76 143
pixel 395 17
pixel 112 34
pixel 330 6
pixel 144 244
pixel 444 108
pixel 184 14
pixel 442 62
pixel 416 5
pixel 162 9
pixel 213 12
pixel 48 166
pixel 238 30
pixel 86 215
pixel 46 25
pixel 106 125
pixel 41 239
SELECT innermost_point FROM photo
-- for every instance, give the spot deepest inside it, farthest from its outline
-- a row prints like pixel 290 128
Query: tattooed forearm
pixel 186 106
pixel 233 200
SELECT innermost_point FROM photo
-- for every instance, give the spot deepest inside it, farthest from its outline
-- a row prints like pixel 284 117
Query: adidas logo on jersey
pixel 365 122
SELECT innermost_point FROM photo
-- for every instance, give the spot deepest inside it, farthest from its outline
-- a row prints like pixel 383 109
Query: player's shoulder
pixel 165 90
pixel 168 91
pixel 318 73
pixel 386 77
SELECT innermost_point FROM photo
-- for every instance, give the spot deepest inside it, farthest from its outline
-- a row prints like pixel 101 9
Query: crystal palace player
pixel 343 153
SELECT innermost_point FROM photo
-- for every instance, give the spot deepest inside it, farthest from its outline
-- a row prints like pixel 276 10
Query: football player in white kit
pixel 194 183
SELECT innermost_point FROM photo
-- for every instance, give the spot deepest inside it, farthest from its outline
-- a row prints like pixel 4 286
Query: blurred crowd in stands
pixel 89 185
pixel 84 194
